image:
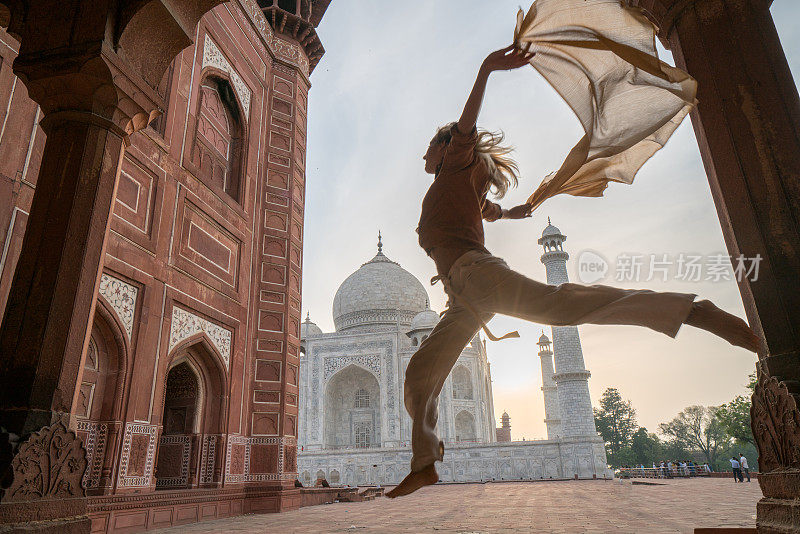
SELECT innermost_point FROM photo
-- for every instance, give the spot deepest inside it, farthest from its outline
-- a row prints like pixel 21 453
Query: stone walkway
pixel 565 507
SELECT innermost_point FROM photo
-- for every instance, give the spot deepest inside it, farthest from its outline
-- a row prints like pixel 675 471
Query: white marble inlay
pixel 186 324
pixel 212 56
pixel 121 296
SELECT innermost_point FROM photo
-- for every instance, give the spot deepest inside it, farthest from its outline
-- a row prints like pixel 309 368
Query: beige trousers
pixel 490 286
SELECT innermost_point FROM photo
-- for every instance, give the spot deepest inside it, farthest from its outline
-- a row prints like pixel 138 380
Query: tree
pixel 697 427
pixel 645 447
pixel 615 419
pixel 734 416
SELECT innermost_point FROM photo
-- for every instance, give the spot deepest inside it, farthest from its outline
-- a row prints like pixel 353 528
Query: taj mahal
pixel 352 425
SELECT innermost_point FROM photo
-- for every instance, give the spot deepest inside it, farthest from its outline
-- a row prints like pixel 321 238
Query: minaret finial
pixel 380 245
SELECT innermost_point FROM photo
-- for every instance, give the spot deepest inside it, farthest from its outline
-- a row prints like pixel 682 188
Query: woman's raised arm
pixel 507 58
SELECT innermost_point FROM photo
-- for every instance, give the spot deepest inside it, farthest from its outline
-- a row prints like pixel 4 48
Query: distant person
pixel 745 467
pixel 737 472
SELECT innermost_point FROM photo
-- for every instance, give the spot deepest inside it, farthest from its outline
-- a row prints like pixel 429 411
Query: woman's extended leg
pixel 425 376
pixel 489 284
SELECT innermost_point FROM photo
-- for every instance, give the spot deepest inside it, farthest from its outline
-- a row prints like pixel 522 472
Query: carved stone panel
pixel 776 425
pixel 50 465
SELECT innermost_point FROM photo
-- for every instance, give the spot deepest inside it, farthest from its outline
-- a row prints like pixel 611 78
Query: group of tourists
pixel 739 466
pixel 688 468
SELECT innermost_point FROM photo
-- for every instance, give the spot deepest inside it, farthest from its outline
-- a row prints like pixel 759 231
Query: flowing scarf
pixel 601 57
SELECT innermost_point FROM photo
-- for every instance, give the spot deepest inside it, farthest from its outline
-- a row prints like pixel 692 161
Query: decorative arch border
pixel 213 57
pixel 336 364
pixel 187 327
pixel 121 297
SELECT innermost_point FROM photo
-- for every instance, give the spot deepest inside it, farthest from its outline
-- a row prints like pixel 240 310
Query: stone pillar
pixel 92 70
pixel 747 125
pixel 571 376
pixel 276 339
pixel 552 416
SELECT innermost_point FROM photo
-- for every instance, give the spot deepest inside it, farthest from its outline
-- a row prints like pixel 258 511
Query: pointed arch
pixel 462 383
pixel 352 413
pixel 194 408
pixel 218 152
pixel 465 426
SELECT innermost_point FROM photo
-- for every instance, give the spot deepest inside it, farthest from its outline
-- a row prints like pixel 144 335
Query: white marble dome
pixel 309 329
pixel 379 293
pixel 550 229
pixel 424 320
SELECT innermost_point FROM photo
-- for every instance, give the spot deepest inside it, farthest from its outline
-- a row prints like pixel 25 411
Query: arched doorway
pixel 97 403
pixel 352 416
pixel 189 449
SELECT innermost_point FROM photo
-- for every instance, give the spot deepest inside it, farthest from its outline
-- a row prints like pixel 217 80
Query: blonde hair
pixel 503 171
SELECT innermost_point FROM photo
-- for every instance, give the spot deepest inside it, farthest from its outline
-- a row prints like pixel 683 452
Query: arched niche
pixel 465 427
pixel 194 404
pixel 462 383
pixel 352 417
pixel 100 397
pixel 100 392
pixel 218 151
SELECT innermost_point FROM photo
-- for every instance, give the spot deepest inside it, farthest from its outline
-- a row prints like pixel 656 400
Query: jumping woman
pixel 467 165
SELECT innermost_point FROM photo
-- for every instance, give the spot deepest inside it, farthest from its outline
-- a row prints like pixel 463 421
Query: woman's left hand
pixel 507 58
pixel 523 211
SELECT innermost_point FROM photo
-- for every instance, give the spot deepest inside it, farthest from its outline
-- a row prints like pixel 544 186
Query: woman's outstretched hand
pixel 507 58
pixel 522 211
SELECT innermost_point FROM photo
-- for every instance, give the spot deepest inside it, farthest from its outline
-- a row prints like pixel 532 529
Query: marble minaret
pixel 571 376
pixel 549 389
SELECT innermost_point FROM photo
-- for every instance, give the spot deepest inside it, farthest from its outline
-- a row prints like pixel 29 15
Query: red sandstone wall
pixel 190 273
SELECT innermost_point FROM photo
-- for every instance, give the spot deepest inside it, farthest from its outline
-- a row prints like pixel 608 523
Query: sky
pixel 395 71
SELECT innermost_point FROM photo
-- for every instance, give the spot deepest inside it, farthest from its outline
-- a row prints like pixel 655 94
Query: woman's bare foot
pixel 414 481
pixel 706 315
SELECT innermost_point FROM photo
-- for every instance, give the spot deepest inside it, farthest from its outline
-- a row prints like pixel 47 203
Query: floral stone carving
pixel 776 425
pixel 50 464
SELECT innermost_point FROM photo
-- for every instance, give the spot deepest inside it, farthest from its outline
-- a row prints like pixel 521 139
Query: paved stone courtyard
pixel 565 507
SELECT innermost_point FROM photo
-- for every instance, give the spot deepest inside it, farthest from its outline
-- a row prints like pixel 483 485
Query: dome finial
pixel 380 244
pixel 308 316
pixel 548 220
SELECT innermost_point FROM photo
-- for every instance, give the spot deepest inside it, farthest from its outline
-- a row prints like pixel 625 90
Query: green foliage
pixel 700 433
pixel 697 427
pixel 645 447
pixel 734 417
pixel 615 419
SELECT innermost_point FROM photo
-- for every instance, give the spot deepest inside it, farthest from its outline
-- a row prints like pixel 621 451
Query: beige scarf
pixel 601 57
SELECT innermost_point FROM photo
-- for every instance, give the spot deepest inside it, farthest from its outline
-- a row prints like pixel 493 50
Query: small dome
pixel 543 339
pixel 309 329
pixel 424 320
pixel 550 229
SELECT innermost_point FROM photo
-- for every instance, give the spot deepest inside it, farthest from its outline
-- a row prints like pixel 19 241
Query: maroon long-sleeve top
pixel 455 205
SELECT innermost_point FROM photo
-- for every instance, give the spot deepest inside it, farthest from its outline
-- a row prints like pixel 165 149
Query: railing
pixel 664 472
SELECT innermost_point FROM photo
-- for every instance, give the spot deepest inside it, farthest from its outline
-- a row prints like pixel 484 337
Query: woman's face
pixel 433 157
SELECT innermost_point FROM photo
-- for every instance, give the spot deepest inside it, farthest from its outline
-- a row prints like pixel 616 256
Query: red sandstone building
pixel 190 373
